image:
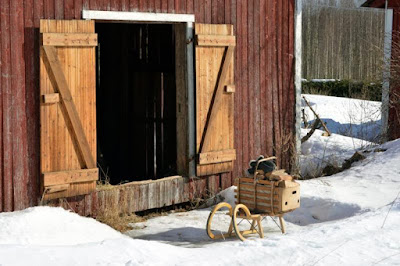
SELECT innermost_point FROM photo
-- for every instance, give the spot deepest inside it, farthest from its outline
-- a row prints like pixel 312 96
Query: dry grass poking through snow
pixel 121 222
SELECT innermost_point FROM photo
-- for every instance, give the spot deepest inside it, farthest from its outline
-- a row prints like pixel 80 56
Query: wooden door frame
pixel 188 20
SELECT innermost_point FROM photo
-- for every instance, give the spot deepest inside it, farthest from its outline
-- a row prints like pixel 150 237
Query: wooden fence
pixel 342 43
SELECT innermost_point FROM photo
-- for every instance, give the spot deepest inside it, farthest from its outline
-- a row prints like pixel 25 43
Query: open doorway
pixel 136 101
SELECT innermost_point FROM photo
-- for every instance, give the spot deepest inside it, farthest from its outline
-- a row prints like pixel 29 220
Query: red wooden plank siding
pixel 262 75
pixel 59 9
pixel 7 107
pixel 214 11
pixel 103 4
pixel 143 5
pixel 114 5
pixel 171 6
pixel 282 75
pixel 1 123
pixel 180 6
pixel 237 22
pixel 291 89
pixel 264 98
pixel 243 62
pixel 254 141
pixel 207 11
pixel 152 6
pixel 230 17
pixel 270 46
pixel 190 6
pixel 69 9
pixel 49 9
pixel 93 4
pixel 221 12
pixel 157 6
pixel 133 5
pixel 164 6
pixel 394 110
pixel 78 6
pixel 20 166
pixel 257 90
pixel 32 119
pixel 250 84
pixel 199 10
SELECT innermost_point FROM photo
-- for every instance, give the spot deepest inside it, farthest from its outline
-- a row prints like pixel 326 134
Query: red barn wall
pixel 394 109
pixel 264 77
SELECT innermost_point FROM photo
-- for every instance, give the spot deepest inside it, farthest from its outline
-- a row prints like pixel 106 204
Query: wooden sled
pixel 262 198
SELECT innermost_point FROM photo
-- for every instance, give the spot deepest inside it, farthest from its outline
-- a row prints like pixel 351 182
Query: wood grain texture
pixel 69 39
pixel 214 108
pixel 217 156
pixel 275 19
pixel 215 40
pixel 51 98
pixel 71 116
pixel 181 100
pixel 1 117
pixel 8 186
pixel 68 129
pixel 72 176
pixel 32 13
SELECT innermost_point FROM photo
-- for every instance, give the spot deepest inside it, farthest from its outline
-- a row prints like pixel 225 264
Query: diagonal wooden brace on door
pixel 219 90
pixel 72 116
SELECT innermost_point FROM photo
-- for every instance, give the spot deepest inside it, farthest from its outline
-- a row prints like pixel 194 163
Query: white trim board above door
pixel 136 16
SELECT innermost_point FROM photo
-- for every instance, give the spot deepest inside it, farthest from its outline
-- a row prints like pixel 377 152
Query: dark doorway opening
pixel 136 101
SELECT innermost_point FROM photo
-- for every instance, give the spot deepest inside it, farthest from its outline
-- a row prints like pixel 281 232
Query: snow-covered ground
pixel 360 119
pixel 351 218
pixel 355 125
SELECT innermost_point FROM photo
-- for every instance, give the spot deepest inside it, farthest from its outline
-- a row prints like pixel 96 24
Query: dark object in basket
pixel 266 166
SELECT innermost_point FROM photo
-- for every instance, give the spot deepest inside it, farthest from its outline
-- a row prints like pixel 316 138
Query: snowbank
pixel 51 226
pixel 319 151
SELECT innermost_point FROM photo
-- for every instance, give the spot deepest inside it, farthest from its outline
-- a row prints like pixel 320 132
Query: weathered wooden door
pixel 67 108
pixel 214 98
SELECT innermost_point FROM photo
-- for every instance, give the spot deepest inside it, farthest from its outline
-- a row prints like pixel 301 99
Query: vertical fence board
pixel 343 36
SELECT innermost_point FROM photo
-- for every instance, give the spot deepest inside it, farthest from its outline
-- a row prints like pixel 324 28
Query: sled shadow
pixel 318 210
pixel 184 236
pixel 366 131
